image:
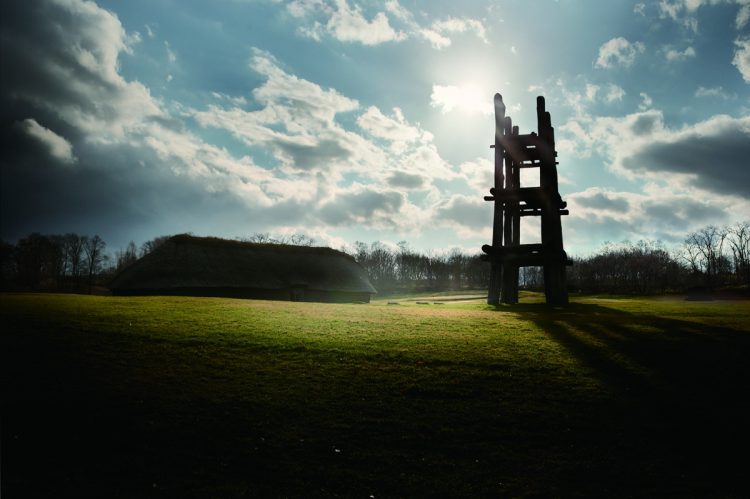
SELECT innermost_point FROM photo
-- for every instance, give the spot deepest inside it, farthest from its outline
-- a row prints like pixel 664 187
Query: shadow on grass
pixel 680 386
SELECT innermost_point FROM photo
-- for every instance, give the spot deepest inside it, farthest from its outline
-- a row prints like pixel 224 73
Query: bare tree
pixel 73 244
pixel 708 243
pixel 94 254
pixel 739 242
pixel 299 239
pixel 126 257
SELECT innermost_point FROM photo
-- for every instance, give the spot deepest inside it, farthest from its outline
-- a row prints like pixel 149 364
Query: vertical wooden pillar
pixel 555 288
pixel 516 219
pixel 509 290
pixel 496 271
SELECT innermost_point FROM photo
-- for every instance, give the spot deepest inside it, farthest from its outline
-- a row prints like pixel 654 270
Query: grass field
pixel 201 397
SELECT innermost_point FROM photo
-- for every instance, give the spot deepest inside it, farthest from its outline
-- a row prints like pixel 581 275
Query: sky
pixel 352 120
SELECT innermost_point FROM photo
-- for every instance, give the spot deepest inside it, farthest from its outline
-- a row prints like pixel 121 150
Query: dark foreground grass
pixel 198 397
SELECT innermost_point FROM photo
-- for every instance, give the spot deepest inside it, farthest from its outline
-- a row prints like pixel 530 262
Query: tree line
pixel 709 257
pixel 64 262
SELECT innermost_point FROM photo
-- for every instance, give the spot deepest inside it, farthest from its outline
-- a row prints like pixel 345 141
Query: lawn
pixel 207 397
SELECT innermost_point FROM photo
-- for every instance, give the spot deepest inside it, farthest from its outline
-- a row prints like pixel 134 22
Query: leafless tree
pixel 708 244
pixel 73 244
pixel 739 242
pixel 93 251
pixel 126 257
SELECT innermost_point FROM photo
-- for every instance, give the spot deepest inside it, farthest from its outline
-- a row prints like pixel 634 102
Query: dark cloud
pixel 716 152
pixel 60 85
pixel 680 214
pixel 406 180
pixel 363 206
pixel 645 123
pixel 602 201
pixel 308 157
pixel 465 211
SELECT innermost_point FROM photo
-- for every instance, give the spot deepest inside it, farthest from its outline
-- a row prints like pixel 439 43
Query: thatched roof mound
pixel 186 261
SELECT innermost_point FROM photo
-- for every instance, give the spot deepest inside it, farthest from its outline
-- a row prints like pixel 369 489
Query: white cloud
pixel 646 101
pixel 302 8
pixel 614 93
pixel 394 129
pixel 479 174
pixel 677 55
pixel 743 16
pixel 57 146
pixel 461 25
pixel 591 91
pixel 713 92
pixel 684 11
pixel 741 58
pixel 437 40
pixel 348 24
pixel 171 56
pixel 582 96
pixel 397 10
pixel 297 122
pixel 618 52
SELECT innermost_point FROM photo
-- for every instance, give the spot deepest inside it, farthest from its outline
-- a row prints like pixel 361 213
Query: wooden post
pixel 509 288
pixel 516 240
pixel 493 294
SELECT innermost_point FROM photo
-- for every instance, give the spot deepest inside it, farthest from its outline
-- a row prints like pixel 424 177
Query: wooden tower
pixel 507 254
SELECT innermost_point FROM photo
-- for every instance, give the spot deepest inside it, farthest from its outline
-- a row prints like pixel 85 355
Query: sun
pixel 467 97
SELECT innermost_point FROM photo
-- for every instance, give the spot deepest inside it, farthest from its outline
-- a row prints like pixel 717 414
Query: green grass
pixel 203 397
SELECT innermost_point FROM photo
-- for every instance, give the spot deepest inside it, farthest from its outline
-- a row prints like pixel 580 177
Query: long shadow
pixel 679 385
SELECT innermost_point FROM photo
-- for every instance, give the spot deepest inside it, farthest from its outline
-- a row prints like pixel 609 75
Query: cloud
pixel 461 25
pixel 138 165
pixel 69 67
pixel 349 25
pixel 581 95
pixel 599 200
pixel 618 52
pixel 171 56
pixel 406 180
pixel 437 40
pixel 657 213
pixel 684 11
pixel 57 146
pixel 710 155
pixel 393 129
pixel 677 55
pixel 713 92
pixel 741 58
pixel 467 214
pixel 743 16
pixel 479 174
pixel 297 121
pixel 646 101
pixel 363 205
pixel 614 93
pixel 722 141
